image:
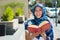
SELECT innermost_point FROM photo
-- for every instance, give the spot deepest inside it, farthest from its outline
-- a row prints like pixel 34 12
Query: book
pixel 39 29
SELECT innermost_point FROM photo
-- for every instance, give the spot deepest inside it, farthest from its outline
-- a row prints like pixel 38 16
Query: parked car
pixel 59 17
pixel 51 12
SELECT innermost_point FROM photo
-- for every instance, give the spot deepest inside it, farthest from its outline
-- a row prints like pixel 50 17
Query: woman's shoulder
pixel 45 21
pixel 29 21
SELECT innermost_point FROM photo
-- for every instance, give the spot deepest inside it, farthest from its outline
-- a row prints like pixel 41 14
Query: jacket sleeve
pixel 50 34
pixel 26 25
pixel 49 38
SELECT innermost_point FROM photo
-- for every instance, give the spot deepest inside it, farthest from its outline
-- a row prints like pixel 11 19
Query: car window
pixel 53 10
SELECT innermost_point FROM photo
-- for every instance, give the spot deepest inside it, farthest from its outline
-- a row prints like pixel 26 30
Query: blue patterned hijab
pixel 43 17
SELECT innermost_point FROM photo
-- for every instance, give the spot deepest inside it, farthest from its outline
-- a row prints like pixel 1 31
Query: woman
pixel 40 18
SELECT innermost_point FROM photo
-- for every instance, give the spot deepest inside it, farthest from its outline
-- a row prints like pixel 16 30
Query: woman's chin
pixel 38 17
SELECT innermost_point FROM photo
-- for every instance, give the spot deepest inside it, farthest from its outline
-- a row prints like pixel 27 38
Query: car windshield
pixel 53 10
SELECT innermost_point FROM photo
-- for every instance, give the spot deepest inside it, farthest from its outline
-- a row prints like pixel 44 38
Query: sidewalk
pixel 19 34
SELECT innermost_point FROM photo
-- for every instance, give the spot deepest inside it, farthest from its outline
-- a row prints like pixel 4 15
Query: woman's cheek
pixel 38 15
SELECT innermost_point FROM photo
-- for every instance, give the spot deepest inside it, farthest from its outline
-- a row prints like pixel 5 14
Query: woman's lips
pixel 38 14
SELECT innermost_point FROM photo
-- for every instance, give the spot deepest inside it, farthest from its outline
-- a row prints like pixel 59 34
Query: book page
pixel 43 23
pixel 33 26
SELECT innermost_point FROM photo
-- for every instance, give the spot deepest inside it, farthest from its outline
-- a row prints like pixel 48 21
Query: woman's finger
pixel 43 35
pixel 35 34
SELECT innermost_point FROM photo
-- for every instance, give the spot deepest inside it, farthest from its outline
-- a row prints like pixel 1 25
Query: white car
pixel 59 17
pixel 52 12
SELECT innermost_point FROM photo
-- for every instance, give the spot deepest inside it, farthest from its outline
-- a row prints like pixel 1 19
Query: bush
pixel 8 14
pixel 18 12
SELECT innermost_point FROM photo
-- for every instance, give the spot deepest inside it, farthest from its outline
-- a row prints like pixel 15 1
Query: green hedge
pixel 19 12
pixel 8 14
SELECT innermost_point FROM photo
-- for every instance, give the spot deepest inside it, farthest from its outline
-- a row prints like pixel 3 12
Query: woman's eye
pixel 40 10
pixel 35 10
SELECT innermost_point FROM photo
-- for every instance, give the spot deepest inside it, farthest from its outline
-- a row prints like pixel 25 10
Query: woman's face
pixel 38 12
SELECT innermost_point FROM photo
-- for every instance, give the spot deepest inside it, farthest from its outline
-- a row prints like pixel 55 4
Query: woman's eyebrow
pixel 40 9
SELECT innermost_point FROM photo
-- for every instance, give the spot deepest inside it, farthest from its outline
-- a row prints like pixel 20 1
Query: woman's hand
pixel 30 36
pixel 34 34
pixel 27 36
pixel 43 35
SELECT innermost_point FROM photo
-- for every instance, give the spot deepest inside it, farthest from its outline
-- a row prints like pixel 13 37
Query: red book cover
pixel 39 29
